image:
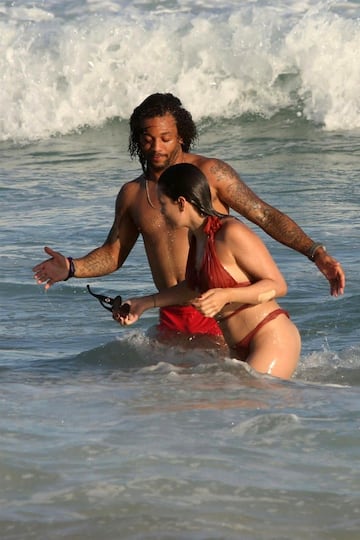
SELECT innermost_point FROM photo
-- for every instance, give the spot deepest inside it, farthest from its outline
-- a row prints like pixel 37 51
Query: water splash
pixel 68 66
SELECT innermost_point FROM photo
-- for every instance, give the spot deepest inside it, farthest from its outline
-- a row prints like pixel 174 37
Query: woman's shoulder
pixel 235 230
pixel 231 224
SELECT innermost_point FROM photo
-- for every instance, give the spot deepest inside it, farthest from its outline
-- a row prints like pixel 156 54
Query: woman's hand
pixel 211 302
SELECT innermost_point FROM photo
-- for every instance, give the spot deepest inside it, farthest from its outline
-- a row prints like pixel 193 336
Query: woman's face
pixel 169 209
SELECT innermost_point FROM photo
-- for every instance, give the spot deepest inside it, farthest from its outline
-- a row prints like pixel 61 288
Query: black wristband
pixel 71 269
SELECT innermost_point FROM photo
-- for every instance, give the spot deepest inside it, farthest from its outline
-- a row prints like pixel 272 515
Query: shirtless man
pixel 230 275
pixel 161 134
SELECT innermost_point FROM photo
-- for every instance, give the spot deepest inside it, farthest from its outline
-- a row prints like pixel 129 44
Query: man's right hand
pixel 332 270
pixel 52 270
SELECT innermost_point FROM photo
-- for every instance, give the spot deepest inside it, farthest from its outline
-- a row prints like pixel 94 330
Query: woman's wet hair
pixel 186 180
pixel 160 105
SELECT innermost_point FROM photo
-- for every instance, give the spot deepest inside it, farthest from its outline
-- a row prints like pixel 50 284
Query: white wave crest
pixel 66 68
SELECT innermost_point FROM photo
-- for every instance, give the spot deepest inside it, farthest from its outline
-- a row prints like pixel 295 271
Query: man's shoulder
pixel 129 191
pixel 200 160
pixel 208 165
pixel 217 171
pixel 132 185
pixel 136 181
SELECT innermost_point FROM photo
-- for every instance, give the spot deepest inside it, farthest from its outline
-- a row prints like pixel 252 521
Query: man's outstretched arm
pixel 99 262
pixel 234 193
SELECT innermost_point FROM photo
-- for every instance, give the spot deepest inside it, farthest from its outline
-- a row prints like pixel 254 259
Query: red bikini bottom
pixel 242 347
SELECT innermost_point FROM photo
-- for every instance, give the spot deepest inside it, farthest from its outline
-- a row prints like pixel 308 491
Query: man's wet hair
pixel 160 105
pixel 188 181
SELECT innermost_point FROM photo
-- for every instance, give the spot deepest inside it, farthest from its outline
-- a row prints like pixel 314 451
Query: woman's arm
pixel 176 295
pixel 250 255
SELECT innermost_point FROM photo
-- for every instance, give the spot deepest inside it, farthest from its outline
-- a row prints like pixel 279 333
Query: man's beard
pixel 161 166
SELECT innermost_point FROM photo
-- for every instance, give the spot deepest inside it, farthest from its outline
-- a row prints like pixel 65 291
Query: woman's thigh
pixel 275 349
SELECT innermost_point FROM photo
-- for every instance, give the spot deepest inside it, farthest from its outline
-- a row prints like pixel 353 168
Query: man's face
pixel 160 142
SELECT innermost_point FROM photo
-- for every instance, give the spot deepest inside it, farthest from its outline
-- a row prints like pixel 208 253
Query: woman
pixel 230 276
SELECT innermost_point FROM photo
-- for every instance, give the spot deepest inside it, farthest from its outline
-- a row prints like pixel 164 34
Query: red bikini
pixel 212 275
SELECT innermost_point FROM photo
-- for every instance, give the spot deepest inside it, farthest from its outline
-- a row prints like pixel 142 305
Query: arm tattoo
pixel 221 171
pixel 237 195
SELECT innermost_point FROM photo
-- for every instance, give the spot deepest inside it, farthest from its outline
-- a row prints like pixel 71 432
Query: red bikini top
pixel 211 273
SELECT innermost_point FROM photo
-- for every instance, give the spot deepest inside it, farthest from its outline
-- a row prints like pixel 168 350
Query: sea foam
pixel 68 65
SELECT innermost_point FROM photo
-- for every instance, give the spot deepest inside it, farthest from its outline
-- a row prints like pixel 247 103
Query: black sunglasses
pixel 111 304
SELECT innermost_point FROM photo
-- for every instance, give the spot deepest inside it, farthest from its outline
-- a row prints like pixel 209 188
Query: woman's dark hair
pixel 159 105
pixel 186 180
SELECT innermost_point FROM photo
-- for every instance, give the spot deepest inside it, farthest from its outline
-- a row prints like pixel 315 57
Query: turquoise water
pixel 105 432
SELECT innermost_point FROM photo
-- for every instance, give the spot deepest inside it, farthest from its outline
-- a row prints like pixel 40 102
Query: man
pixel 161 134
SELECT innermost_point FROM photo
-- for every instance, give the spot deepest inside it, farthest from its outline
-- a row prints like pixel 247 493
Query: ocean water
pixel 106 433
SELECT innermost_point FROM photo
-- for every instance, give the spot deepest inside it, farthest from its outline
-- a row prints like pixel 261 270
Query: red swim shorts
pixel 187 320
